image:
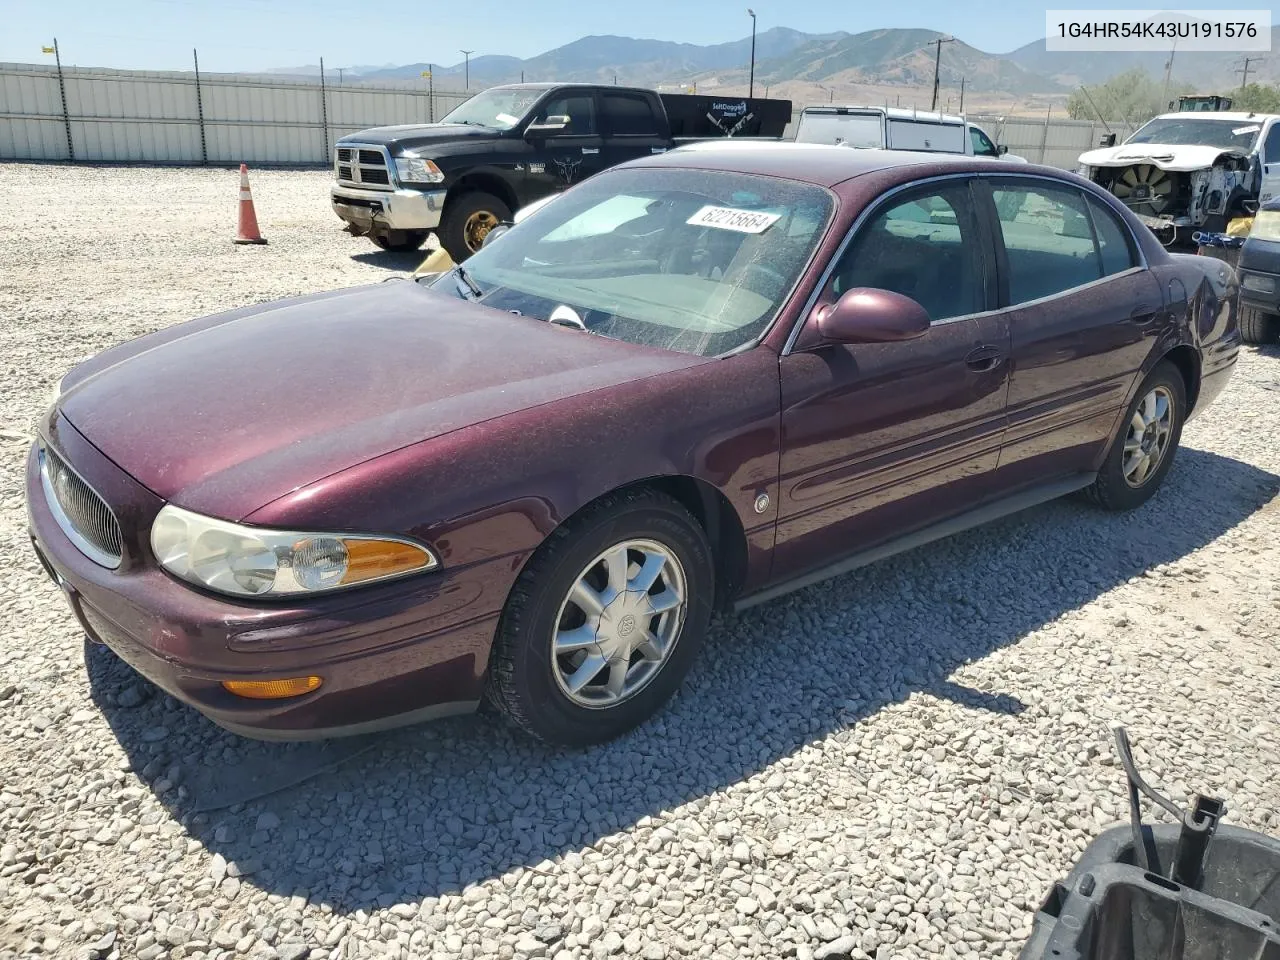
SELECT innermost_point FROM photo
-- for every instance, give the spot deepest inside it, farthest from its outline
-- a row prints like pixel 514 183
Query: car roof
pixel 894 113
pixel 1216 115
pixel 817 163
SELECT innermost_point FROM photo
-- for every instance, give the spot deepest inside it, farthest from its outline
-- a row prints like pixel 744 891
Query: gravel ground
pixel 893 764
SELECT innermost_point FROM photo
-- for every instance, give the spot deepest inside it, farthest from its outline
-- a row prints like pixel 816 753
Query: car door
pixel 631 127
pixel 1082 310
pixel 880 439
pixel 1271 162
pixel 569 156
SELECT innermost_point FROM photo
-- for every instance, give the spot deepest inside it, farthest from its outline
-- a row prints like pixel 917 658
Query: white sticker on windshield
pixel 741 221
pixel 1242 130
pixel 507 118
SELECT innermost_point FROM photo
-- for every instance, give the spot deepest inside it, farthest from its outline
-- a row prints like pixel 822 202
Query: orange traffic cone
pixel 248 232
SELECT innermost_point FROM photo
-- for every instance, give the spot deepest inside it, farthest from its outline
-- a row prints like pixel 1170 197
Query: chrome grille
pixel 365 166
pixel 83 515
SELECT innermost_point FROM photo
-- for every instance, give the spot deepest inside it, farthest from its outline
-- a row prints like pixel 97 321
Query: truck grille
pixel 83 515
pixel 362 166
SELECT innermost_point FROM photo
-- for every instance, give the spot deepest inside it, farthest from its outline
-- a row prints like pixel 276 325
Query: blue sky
pixel 257 34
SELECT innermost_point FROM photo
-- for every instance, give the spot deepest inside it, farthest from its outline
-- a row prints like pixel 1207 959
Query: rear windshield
pixel 1199 132
pixel 851 129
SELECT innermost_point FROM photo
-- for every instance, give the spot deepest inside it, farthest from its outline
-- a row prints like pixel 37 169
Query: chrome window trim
pixel 392 182
pixel 875 206
pixel 90 550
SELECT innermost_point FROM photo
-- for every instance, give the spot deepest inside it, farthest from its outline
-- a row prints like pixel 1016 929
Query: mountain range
pixel 885 59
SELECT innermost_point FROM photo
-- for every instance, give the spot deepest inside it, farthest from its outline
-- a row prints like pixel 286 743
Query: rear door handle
pixel 1143 312
pixel 984 358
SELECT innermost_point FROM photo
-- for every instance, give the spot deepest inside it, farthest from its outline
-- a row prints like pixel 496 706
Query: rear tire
pixel 467 220
pixel 571 677
pixel 1257 326
pixel 1145 444
pixel 400 241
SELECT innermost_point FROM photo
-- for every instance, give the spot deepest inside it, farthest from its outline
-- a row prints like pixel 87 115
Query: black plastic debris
pixel 1193 890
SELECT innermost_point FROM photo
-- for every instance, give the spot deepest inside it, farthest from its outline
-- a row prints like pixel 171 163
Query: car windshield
pixel 694 261
pixel 1199 132
pixel 501 108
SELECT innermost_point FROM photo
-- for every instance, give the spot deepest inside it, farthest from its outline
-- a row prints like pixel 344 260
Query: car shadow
pixel 404 261
pixel 378 821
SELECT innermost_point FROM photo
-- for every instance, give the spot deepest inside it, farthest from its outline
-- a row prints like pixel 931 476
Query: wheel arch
pixel 1187 359
pixel 710 509
pixel 486 182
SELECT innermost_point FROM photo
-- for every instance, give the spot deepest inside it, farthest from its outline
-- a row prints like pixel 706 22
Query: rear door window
pixel 1048 240
pixel 629 115
pixel 1115 245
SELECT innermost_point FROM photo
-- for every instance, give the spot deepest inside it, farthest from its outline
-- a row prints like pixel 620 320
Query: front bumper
pixel 400 209
pixel 411 650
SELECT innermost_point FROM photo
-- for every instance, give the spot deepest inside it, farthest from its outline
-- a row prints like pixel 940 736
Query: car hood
pixel 225 414
pixel 410 135
pixel 1172 157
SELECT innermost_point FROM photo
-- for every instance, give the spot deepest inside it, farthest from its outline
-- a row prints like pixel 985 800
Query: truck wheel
pixel 1256 326
pixel 400 240
pixel 467 220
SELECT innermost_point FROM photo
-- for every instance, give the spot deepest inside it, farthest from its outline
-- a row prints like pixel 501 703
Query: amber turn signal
pixel 375 559
pixel 272 689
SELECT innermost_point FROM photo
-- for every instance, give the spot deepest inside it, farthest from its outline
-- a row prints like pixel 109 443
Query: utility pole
pixel 1168 70
pixel 467 69
pixel 751 84
pixel 339 76
pixel 937 63
pixel 962 79
pixel 1244 80
pixel 62 89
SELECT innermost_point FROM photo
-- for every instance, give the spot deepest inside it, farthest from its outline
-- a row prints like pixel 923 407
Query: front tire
pixel 1258 326
pixel 1143 450
pixel 604 622
pixel 467 220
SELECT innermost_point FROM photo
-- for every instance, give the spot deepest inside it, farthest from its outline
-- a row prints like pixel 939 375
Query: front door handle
pixel 984 358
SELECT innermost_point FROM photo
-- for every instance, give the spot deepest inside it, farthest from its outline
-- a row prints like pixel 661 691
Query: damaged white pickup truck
pixel 1184 172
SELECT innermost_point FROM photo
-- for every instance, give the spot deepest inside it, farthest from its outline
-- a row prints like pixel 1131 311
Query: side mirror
pixel 557 123
pixel 1002 149
pixel 1107 140
pixel 869 315
pixel 494 234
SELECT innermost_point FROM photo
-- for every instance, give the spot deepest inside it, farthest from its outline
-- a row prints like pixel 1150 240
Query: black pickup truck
pixel 511 145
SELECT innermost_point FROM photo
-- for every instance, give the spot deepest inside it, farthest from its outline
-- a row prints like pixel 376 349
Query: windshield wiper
pixel 460 272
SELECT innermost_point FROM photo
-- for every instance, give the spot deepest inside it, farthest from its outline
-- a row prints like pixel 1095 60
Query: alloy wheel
pixel 477 228
pixel 619 623
pixel 1147 440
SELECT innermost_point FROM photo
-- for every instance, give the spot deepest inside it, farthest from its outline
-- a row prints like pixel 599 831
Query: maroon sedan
pixel 695 381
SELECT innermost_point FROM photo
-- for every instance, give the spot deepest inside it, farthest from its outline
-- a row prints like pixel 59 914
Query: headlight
pixel 252 561
pixel 1266 225
pixel 411 169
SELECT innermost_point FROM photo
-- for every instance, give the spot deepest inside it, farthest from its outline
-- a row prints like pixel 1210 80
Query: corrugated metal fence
pixel 153 117
pixel 1051 140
